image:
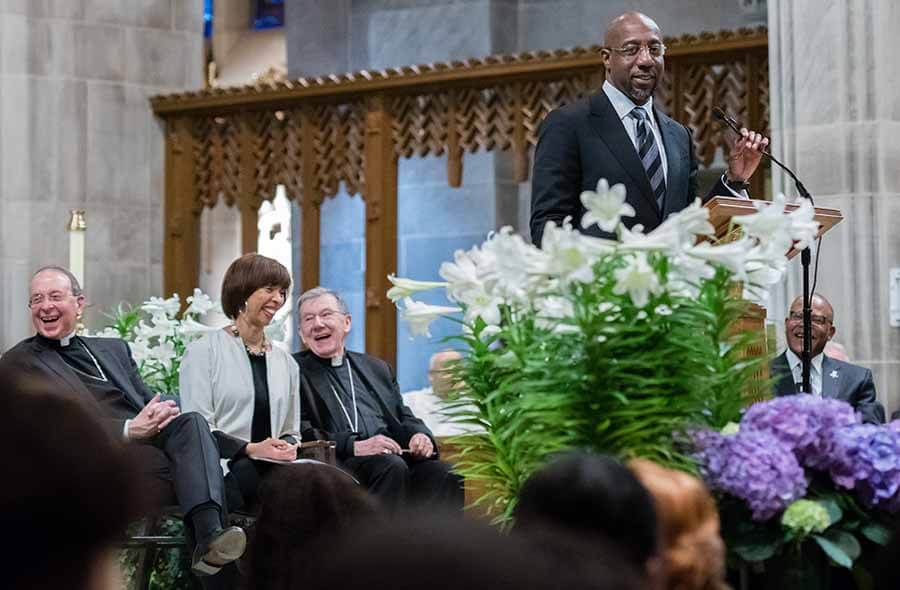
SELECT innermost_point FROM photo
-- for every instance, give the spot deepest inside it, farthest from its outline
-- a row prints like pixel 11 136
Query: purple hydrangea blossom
pixel 753 466
pixel 803 423
pixel 866 458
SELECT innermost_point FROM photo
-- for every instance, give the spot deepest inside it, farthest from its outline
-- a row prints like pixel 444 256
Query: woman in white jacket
pixel 246 389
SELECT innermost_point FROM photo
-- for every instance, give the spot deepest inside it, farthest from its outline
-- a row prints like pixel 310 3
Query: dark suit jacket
pixel 320 408
pixel 585 141
pixel 853 384
pixel 32 357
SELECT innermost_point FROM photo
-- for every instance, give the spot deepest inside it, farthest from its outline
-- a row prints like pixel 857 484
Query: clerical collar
pixel 51 343
pixel 333 362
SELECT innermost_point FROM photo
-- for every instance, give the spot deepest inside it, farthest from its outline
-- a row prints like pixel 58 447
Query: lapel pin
pixel 833 374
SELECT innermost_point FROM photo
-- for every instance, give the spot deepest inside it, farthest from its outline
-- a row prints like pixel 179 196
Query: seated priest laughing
pixel 353 399
pixel 175 450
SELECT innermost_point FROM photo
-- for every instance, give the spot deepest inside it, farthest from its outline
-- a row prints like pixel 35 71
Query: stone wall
pixel 77 132
pixel 836 120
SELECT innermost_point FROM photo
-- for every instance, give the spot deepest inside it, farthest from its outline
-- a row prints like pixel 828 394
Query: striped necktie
pixel 648 151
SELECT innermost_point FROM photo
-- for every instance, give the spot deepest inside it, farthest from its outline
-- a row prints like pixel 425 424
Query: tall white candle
pixel 76 229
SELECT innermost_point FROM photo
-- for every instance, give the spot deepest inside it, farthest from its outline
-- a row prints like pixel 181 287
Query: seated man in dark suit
pixel 354 400
pixel 828 377
pixel 176 450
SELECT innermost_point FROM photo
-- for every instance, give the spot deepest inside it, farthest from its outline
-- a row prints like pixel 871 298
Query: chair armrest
pixel 320 450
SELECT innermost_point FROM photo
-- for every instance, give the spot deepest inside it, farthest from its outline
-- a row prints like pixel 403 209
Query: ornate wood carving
pixel 311 135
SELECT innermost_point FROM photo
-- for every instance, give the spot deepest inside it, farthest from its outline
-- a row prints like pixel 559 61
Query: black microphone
pixel 723 116
pixel 806 352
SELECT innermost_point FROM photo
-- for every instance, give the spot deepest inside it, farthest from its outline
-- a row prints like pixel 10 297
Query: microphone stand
pixel 805 259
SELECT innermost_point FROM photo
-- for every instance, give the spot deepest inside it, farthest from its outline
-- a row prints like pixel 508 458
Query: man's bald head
pixel 617 26
pixel 632 54
pixel 822 324
pixel 441 381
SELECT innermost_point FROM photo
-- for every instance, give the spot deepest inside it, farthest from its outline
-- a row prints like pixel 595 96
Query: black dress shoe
pixel 220 549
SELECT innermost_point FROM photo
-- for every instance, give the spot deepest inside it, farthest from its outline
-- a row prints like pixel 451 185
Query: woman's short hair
pixel 692 548
pixel 593 496
pixel 70 489
pixel 247 274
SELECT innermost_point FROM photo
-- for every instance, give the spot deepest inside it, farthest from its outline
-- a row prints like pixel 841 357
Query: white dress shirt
pixel 815 370
pixel 623 106
pixel 428 407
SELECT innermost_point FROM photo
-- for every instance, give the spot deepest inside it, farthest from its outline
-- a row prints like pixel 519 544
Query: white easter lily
pixel 768 223
pixel 159 306
pixel 420 315
pixel 406 287
pixel 804 228
pixel 605 207
pixel 199 304
pixel 190 327
pixel 160 326
pixel 461 274
pixel 567 254
pixel 732 256
pixel 638 279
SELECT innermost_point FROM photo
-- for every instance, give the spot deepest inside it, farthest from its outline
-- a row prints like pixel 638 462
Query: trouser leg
pixel 193 455
pixel 243 480
pixel 385 476
pixel 433 483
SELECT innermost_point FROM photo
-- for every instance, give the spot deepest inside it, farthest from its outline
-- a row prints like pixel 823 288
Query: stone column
pixel 836 119
pixel 78 132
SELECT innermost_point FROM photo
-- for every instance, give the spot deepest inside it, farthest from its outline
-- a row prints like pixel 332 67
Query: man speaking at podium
pixel 618 135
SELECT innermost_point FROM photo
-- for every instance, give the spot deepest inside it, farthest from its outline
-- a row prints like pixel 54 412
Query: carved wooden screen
pixel 310 135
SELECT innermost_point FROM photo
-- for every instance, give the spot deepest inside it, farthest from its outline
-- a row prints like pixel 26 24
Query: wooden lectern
pixel 721 211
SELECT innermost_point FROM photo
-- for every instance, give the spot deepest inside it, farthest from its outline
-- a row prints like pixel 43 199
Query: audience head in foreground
pixel 431 553
pixel 70 493
pixel 598 499
pixel 303 509
pixel 692 550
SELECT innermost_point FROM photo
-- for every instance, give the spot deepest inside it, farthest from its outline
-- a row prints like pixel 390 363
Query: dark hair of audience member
pixel 692 549
pixel 247 274
pixel 595 497
pixel 303 508
pixel 445 553
pixel 69 490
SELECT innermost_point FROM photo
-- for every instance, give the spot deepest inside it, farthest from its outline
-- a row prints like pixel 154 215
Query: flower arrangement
pixel 832 480
pixel 158 333
pixel 615 346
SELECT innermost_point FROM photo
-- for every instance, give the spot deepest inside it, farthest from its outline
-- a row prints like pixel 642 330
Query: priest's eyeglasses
pixel 325 315
pixel 819 320
pixel 655 50
pixel 52 297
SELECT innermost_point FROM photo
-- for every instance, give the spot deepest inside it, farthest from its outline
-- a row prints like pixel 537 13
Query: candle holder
pixel 77 227
pixel 76 220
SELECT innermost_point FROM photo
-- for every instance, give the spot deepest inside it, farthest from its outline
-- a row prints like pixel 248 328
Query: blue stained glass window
pixel 268 14
pixel 207 18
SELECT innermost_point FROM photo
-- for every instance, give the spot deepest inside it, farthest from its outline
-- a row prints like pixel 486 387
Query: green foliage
pixel 613 378
pixel 124 320
pixel 171 570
